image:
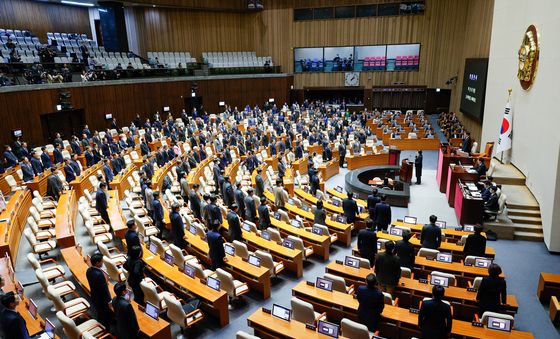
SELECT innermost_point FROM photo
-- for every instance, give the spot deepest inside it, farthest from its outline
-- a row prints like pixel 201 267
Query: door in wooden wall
pixel 67 123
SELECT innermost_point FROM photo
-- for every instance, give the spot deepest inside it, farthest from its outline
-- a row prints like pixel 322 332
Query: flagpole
pixel 508 100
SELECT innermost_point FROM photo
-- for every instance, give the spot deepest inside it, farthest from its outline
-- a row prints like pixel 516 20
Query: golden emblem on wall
pixel 528 58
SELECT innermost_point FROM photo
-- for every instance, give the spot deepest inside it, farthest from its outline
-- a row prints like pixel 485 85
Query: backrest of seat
pixel 70 328
pixel 178 257
pixel 266 260
pixel 298 243
pixel 274 235
pixel 451 277
pixel 476 282
pixel 240 249
pixel 150 292
pixel 485 315
pixel 244 335
pixel 427 253
pixel 159 246
pixel 354 330
pixel 406 272
pixel 42 279
pixel 226 281
pixel 30 237
pixel 112 269
pixel 175 310
pixel 302 311
pixel 54 296
pixel 338 282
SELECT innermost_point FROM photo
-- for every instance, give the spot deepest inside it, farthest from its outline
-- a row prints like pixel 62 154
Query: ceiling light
pixel 77 3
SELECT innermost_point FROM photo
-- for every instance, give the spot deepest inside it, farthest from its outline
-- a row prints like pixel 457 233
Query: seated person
pixel 492 204
pixel 479 167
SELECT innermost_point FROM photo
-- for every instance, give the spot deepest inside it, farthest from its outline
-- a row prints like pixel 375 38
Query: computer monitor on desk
pixel 441 224
pixel 482 262
pixel 230 250
pixel 351 262
pixel 49 329
pixel 438 280
pixel 324 284
pixel 281 312
pixel 410 220
pixel 328 329
pixel 444 257
pixel 499 324
pixel 152 311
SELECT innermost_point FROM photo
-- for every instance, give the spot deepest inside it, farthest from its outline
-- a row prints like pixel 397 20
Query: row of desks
pixel 12 222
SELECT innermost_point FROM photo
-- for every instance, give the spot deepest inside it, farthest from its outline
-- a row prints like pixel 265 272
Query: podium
pixel 406 171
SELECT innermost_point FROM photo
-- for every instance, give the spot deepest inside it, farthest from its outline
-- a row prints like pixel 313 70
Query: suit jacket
pixel 259 188
pixel 54 186
pixel 234 226
pixel 76 148
pixel 372 201
pixel 367 244
pixel 314 184
pixel 194 203
pixel 57 155
pixel 228 194
pixel 100 296
pixel 132 239
pixel 264 217
pixel 36 165
pixel 250 208
pixel 158 211
pixel 69 173
pixel 177 229
pixel 382 215
pixel 127 324
pixel 430 236
pixel 492 292
pixel 13 325
pixel 215 213
pixel 108 173
pixel 466 145
pixel 239 200
pixel 475 245
pixel 493 203
pixel 46 160
pixel 216 248
pixel 320 217
pixel 101 201
pixel 387 268
pixel 11 159
pixel 405 252
pixel 280 196
pixel 435 319
pixel 350 208
pixel 28 173
pixel 90 160
pixel 144 149
pixel 371 305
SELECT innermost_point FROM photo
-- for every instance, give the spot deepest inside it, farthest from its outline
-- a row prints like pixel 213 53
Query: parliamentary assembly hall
pixel 241 169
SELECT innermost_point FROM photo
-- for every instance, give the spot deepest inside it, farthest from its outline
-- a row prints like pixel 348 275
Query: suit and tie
pixel 100 296
pixel 372 201
pixel 132 239
pixel 195 204
pixel 435 319
pixel 250 208
pixel 27 171
pixel 367 245
pixel 101 205
pixel 259 188
pixel 430 236
pixel 234 226
pixel 350 208
pixel 475 245
pixel 406 253
pixel 36 165
pixel 177 229
pixel 239 200
pixel 127 323
pixel 371 305
pixel 264 217
pixel 69 173
pixel 11 159
pixel 216 249
pixel 57 155
pixel 158 215
pixel 46 160
pixel 54 186
pixel 382 215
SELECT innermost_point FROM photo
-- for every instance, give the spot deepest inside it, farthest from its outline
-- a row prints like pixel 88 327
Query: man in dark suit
pixel 11 321
pixel 177 227
pixel 100 297
pixel 492 292
pixel 90 158
pixel 10 157
pixel 75 145
pixel 158 214
pixel 45 158
pixel 131 236
pixel 228 194
pixel 240 199
pixel 475 243
pixel 69 172
pixel 466 145
pixel 101 202
pixel 388 268
pixel 350 208
pixel 54 185
pixel 215 246
pixel 57 154
pixel 314 182
pixel 127 324
pixel 108 171
pixel 194 201
pixel 371 303
pixel 264 215
pixel 405 250
pixel 341 153
pixel 493 203
pixel 431 234
pixel 250 208
pixel 435 318
pixel 480 167
pixel 215 213
pixel 367 242
pixel 372 200
pixel 27 170
pixel 234 224
pixel 418 167
pixel 382 214
pixel 259 188
pixel 36 164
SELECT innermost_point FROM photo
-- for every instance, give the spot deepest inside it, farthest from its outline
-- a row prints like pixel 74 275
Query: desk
pixel 328 206
pixel 319 243
pixel 266 326
pixel 15 216
pixel 39 183
pixel 65 215
pixel 456 173
pixel 445 158
pixel 357 161
pixel 82 182
pixel 159 329
pixel 213 302
pixel 300 165
pixel 414 144
pixel 549 285
pixel 258 278
pixel 468 209
pixel 328 169
pixel 449 232
pixel 118 222
pixel 340 305
pixel 120 181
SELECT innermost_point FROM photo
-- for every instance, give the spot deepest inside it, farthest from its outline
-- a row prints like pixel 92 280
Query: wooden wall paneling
pixel 40 17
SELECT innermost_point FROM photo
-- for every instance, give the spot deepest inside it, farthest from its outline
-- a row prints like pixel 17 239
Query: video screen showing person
pixel 370 58
pixel 339 59
pixel 403 57
pixel 308 60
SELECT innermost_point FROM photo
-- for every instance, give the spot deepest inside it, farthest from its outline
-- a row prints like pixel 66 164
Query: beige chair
pixel 145 226
pixel 406 273
pixel 451 277
pixel 200 272
pixel 388 299
pixel 161 248
pixel 97 228
pixel 44 234
pixel 63 288
pixel 153 293
pixel 299 245
pixel 284 216
pixel 428 253
pixel 180 257
pixel 48 202
pixel 84 201
pixel 119 259
pixel 12 183
pixel 252 226
pixel 234 288
pixel 43 212
pixel 39 248
pixel 241 249
pixel 51 272
pixel 244 335
pixel 94 219
pixel 303 311
pixel 463 240
pixel 339 284
pixel 95 237
pixel 72 309
pixel 326 232
pixel 176 313
pixel 42 223
pixel 476 283
pixel 115 273
pixel 354 330
pixel 88 329
pixel 89 197
pixel 267 261
pixel 274 235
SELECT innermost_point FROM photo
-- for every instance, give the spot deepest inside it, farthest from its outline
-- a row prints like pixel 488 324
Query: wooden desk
pixel 449 232
pixel 213 302
pixel 549 285
pixel 149 327
pixel 357 161
pixel 456 268
pixel 39 183
pixel 300 165
pixel 15 219
pixel 82 182
pixel 319 243
pixel 329 169
pixel 344 195
pixel 469 210
pixel 327 205
pixel 6 190
pixel 340 305
pixel 455 174
pixel 118 222
pixel 34 326
pixel 414 144
pixel 258 278
pixel 266 326
pixel 65 215
pixel 120 181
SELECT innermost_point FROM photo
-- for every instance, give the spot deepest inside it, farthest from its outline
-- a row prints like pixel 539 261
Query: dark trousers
pixel 138 293
pixel 105 216
pixel 104 315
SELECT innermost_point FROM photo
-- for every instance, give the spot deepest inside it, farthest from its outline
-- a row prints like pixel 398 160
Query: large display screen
pixel 474 87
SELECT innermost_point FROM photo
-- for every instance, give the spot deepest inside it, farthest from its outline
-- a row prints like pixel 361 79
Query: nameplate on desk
pixel 339 262
pixel 414 310
pixel 266 310
pixel 477 324
pixel 310 283
pixel 310 327
pixel 472 289
pixel 149 258
pixel 423 281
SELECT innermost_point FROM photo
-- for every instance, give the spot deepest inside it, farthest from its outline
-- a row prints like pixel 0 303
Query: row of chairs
pixel 407 62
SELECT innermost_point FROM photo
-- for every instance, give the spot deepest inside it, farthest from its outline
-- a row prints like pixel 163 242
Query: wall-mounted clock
pixel 351 79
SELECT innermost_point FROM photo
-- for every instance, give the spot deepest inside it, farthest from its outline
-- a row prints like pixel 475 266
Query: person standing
pixel 431 234
pixel 382 214
pixel 388 268
pixel 280 195
pixel 131 236
pixel 418 167
pixel 135 268
pixel 320 216
pixel 367 242
pixel 101 202
pixel 234 224
pixel 194 201
pixel 435 319
pixel 350 208
pixel 177 227
pixel 405 250
pixel 492 292
pixel 371 303
pixel 259 183
pixel 100 297
pixel 158 214
pixel 475 243
pixel 127 324
pixel 216 246
pixel 264 215
pixel 372 201
pixel 250 208
pixel 12 323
